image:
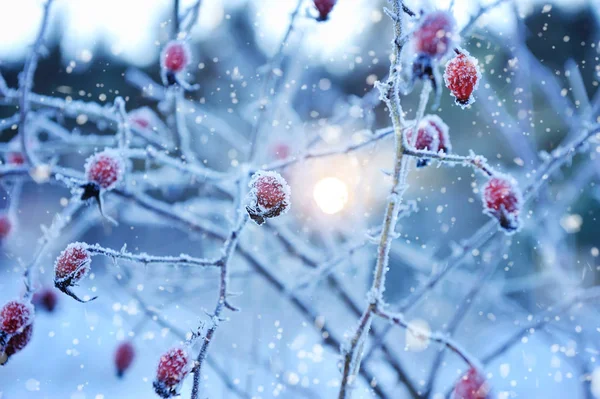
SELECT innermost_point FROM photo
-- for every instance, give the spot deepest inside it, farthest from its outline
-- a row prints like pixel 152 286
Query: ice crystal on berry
pixel 462 76
pixel 71 266
pixel 269 196
pixel 427 140
pixel 172 368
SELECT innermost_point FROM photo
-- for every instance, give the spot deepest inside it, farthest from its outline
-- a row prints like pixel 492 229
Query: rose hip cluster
pixel 16 328
pixel 433 40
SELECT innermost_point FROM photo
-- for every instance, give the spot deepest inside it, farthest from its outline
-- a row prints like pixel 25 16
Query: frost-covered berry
pixel 5 226
pixel 71 265
pixel 106 169
pixel 124 356
pixel 471 386
pixel 16 343
pixel 427 140
pixel 438 124
pixel 269 196
pixel 462 76
pixel 502 199
pixel 435 35
pixel 324 7
pixel 281 151
pixel 172 368
pixel 175 56
pixel 15 316
pixel 45 299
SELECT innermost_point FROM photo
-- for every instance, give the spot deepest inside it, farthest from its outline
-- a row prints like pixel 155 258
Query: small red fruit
pixel 269 196
pixel 442 129
pixel 5 226
pixel 175 56
pixel 105 169
pixel 471 386
pixel 143 118
pixel 462 77
pixel 72 265
pixel 15 316
pixel 427 140
pixel 173 367
pixel 124 356
pixel 502 199
pixel 15 158
pixel 45 299
pixel 435 35
pixel 324 7
pixel 17 343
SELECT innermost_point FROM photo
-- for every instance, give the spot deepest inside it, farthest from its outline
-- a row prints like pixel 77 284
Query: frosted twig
pixel 146 259
pixel 26 84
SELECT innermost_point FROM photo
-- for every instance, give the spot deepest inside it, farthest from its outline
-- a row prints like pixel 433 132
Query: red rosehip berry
pixel 15 316
pixel 106 169
pixel 442 129
pixel 15 158
pixel 462 77
pixel 281 151
pixel 143 118
pixel 124 356
pixel 71 265
pixel 5 226
pixel 471 386
pixel 269 196
pixel 435 35
pixel 502 200
pixel 173 367
pixel 175 56
pixel 324 7
pixel 45 299
pixel 16 343
pixel 427 140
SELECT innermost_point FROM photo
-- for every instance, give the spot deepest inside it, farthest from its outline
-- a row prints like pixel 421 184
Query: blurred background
pixel 98 50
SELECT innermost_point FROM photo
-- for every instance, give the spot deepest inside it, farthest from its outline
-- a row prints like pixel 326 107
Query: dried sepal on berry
pixel 72 265
pixel 462 76
pixel 269 196
pixel 472 385
pixel 435 35
pixel 324 7
pixel 16 344
pixel 427 140
pixel 124 356
pixel 172 369
pixel 502 200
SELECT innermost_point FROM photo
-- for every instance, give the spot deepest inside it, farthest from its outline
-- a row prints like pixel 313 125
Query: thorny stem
pixel 390 94
pixel 146 259
pixel 26 84
pixel 222 302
